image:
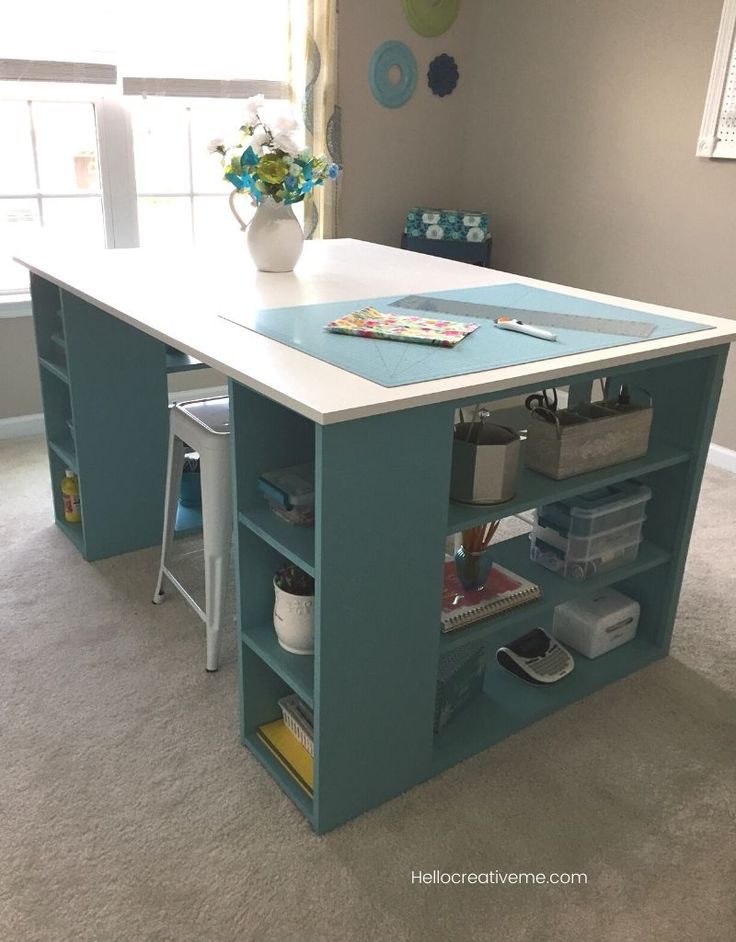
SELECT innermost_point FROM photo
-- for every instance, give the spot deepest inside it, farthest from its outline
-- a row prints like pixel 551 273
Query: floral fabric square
pixel 410 328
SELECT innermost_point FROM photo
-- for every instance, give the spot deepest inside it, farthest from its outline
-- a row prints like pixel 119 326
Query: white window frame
pixel 119 192
pixel 709 144
pixel 117 171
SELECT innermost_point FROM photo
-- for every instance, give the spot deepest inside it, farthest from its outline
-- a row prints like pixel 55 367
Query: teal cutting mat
pixel 394 363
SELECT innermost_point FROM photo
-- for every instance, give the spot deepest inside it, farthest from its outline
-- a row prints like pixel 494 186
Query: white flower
pixel 259 138
pixel 283 123
pixel 285 142
pixel 215 145
pixel 252 105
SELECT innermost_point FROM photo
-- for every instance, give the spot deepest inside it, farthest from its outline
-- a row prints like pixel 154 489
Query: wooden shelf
pixel 58 369
pixel 536 489
pixel 295 543
pixel 74 531
pixel 64 448
pixel 508 703
pixel 514 555
pixel 178 362
pixel 296 669
pixel 287 782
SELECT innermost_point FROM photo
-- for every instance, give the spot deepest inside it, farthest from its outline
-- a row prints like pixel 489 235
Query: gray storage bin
pixel 590 436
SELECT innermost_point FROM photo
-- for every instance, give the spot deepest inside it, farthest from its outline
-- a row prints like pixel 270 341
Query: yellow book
pixel 289 751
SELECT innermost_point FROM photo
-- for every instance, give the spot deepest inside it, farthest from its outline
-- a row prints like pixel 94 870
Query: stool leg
pixel 174 468
pixel 217 518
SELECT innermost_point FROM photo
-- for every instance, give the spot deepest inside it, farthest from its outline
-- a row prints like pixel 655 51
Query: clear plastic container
pixel 603 510
pixel 580 569
pixel 590 547
pixel 290 493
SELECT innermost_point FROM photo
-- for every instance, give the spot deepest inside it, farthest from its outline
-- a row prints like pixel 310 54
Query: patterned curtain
pixel 314 89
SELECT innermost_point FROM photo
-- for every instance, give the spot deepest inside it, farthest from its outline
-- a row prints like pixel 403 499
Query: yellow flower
pixel 271 169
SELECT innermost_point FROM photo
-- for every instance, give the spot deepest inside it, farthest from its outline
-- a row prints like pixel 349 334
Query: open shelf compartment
pixel 508 704
pixel 535 489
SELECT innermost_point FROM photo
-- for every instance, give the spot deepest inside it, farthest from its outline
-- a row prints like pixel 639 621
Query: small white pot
pixel 293 620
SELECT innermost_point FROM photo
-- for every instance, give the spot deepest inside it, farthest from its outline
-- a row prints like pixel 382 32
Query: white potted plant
pixel 293 611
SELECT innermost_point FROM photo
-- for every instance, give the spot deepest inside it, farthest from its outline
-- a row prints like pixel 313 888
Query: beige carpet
pixel 129 811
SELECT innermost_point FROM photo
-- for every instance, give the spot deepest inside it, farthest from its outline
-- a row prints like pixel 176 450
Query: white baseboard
pixel 721 457
pixel 21 426
pixel 25 426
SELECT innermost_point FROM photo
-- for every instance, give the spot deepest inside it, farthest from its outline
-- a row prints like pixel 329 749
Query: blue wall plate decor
pixel 442 75
pixel 430 17
pixel 393 94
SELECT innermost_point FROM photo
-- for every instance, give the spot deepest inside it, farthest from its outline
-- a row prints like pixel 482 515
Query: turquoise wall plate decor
pixel 393 56
pixel 430 17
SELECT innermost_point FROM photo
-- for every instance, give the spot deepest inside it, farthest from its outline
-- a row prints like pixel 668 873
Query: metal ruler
pixel 597 325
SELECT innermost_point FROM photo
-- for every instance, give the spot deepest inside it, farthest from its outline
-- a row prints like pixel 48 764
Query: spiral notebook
pixel 503 590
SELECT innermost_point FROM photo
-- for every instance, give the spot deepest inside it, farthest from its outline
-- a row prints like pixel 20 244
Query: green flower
pixel 271 169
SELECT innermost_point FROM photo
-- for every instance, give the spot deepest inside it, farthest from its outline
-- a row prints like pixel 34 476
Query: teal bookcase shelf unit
pixel 382 517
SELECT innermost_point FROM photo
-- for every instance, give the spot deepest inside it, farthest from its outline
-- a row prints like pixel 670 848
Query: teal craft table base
pixel 376 551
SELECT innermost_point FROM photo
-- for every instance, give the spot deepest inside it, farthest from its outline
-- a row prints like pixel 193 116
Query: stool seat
pixel 204 426
pixel 212 415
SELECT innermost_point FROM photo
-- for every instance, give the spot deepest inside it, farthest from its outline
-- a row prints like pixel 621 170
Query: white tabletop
pixel 177 296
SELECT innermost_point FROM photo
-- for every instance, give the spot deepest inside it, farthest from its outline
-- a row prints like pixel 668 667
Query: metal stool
pixel 204 425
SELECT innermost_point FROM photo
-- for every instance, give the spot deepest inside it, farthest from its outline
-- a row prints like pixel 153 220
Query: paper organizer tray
pixel 592 435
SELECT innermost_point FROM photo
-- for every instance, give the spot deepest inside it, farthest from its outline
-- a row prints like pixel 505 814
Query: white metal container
pixel 597 624
pixel 485 462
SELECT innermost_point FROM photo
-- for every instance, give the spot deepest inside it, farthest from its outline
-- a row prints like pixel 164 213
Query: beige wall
pixel 396 158
pixel 20 393
pixel 583 117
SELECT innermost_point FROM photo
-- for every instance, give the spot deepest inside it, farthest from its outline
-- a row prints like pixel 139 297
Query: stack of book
pixel 503 591
pixel 291 740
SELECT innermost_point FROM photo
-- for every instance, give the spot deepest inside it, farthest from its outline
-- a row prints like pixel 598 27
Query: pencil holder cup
pixel 473 569
pixel 485 462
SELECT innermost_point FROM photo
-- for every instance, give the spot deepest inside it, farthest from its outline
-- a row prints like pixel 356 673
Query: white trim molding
pixel 720 457
pixel 15 305
pixel 708 140
pixel 21 426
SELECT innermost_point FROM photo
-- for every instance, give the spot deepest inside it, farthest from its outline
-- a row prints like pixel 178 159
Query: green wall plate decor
pixel 430 17
pixel 389 55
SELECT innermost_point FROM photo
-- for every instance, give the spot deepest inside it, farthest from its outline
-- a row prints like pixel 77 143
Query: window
pixel 718 131
pixel 48 178
pixel 110 148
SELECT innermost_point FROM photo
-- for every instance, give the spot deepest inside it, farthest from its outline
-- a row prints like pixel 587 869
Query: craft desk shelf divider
pixel 382 460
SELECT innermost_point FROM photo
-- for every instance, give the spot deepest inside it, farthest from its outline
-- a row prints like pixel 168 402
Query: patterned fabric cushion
pixel 454 225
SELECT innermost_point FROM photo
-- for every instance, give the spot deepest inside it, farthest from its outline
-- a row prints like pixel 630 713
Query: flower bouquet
pixel 267 164
pixel 266 161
